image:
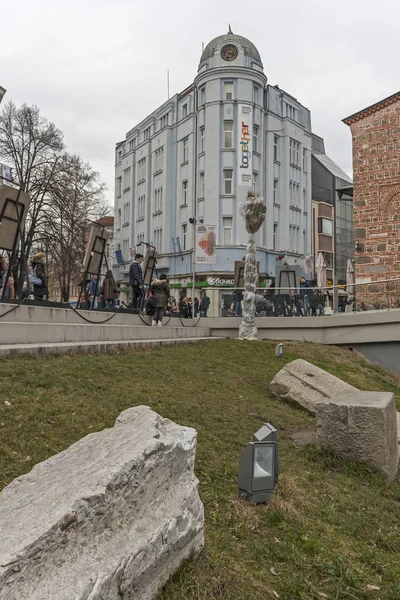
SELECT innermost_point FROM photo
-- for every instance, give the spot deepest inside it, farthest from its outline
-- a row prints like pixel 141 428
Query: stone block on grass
pixel 304 384
pixel 361 426
pixel 113 516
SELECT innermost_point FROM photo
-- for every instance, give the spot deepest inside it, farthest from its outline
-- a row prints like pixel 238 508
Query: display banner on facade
pixel 206 237
pixel 245 146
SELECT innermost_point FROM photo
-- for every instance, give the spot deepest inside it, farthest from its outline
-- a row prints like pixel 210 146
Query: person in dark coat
pixel 184 307
pixel 136 280
pixel 109 290
pixel 39 271
pixel 237 299
pixel 160 290
pixel 205 304
pixel 196 305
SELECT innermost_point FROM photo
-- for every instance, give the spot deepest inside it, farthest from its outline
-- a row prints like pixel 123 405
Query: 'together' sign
pixel 245 145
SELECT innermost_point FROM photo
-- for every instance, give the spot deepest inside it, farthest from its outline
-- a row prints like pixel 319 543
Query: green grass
pixel 332 529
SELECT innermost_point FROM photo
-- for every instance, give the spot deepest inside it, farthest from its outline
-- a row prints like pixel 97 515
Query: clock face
pixel 229 52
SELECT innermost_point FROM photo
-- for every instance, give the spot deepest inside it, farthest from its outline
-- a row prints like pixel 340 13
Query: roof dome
pixel 248 47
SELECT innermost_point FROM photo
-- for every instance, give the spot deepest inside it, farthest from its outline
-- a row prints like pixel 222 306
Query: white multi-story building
pixel 199 154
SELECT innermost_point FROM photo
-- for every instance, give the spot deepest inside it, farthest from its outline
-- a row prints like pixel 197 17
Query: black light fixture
pixel 259 466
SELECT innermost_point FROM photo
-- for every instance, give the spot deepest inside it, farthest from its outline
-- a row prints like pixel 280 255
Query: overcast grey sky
pixel 97 67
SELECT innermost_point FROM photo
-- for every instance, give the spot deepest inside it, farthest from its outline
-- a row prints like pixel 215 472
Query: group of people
pixel 37 287
pixel 159 300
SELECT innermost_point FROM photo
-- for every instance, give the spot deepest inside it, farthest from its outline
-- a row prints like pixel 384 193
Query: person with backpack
pixel 160 290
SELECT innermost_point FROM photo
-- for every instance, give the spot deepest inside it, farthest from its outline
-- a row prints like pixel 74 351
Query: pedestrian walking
pixel 160 290
pixel 136 280
pixel 305 293
pixel 93 292
pixel 109 290
pixel 204 305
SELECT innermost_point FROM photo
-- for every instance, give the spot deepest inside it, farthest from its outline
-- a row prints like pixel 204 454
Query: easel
pixel 12 215
pixel 95 254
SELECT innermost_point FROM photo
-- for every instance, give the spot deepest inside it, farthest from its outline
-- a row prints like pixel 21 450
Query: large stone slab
pixel 111 517
pixel 361 426
pixel 304 384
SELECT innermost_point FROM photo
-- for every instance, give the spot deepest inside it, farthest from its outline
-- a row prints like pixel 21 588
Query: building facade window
pixel 294 152
pixel 294 193
pixel 184 236
pixel 184 193
pixel 141 207
pixel 228 182
pixel 202 134
pixel 118 185
pixel 325 226
pixel 147 134
pixel 200 209
pixel 158 199
pixel 201 181
pixel 202 99
pixel 228 90
pixel 127 210
pixel 276 191
pixel 127 178
pixel 228 134
pixel 158 239
pixel 164 121
pixel 304 160
pixel 291 112
pixel 276 148
pixel 227 230
pixel 255 138
pixel 142 169
pixel 159 159
pixel 255 94
pixel 184 111
pixel 119 218
pixel 255 180
pixel 125 250
pixel 275 237
pixel 185 150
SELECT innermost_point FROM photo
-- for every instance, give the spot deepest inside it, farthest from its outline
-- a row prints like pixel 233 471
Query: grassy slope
pixel 332 529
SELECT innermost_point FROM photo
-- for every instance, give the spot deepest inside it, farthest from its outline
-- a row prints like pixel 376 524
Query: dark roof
pixel 370 110
pixel 106 221
pixel 249 47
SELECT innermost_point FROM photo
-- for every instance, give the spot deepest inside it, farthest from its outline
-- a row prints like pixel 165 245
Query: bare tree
pixel 75 199
pixel 29 144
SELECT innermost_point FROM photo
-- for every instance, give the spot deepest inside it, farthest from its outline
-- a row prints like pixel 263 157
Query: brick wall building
pixel 376 172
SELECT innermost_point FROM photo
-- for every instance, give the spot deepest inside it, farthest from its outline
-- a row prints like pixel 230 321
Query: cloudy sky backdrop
pixel 96 67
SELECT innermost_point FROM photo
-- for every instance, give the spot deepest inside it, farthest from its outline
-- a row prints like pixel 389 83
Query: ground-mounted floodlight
pixel 279 351
pixel 259 466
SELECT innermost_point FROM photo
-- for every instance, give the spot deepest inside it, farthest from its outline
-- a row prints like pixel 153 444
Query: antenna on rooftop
pixel 167 84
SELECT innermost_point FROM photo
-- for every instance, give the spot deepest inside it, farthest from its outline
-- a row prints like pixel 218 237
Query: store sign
pixel 245 146
pixel 219 281
pixel 206 238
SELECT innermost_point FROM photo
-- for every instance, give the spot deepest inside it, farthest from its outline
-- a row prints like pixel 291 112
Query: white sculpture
pixel 253 210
